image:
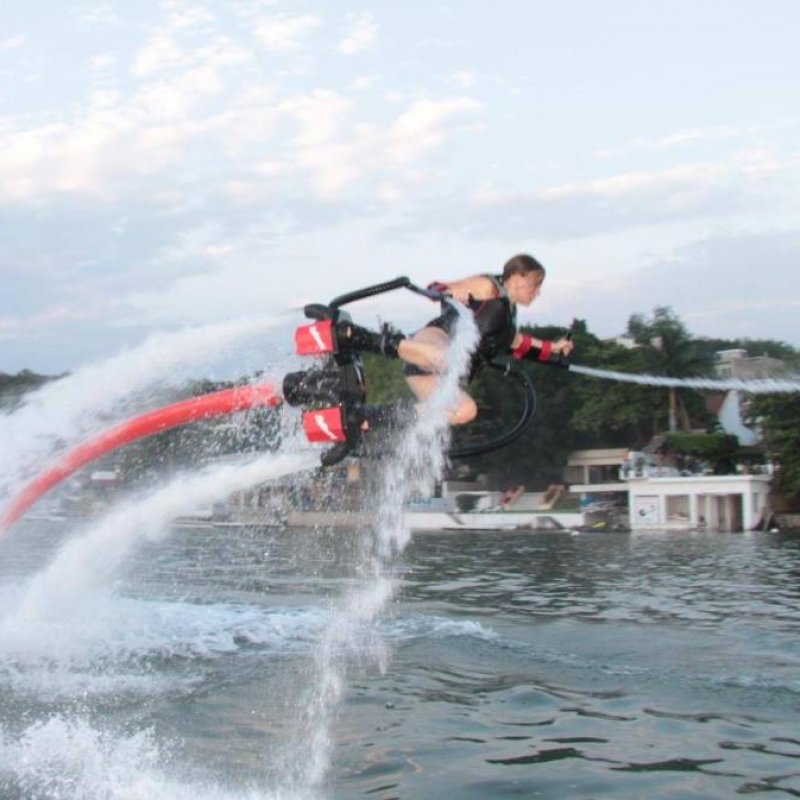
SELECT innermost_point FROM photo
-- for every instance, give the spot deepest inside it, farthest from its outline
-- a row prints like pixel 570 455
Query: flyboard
pixel 332 394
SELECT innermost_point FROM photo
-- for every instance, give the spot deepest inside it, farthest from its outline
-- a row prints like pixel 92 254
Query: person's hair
pixel 522 265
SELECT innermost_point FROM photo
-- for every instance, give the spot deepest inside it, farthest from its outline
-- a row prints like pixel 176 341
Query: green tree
pixel 778 417
pixel 537 458
pixel 669 350
pixel 14 387
pixel 717 449
pixel 773 348
pixel 384 379
pixel 614 413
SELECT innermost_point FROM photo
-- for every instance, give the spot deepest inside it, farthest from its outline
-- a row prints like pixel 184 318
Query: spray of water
pixel 351 637
pixel 67 410
pixel 761 386
pixel 87 562
pixel 66 758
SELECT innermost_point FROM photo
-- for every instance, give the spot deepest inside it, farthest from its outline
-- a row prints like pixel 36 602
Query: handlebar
pixel 381 288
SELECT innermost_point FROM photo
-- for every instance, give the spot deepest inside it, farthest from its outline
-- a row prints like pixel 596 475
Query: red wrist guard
pixel 547 349
pixel 522 349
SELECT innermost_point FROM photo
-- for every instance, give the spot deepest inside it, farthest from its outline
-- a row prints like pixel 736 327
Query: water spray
pixel 225 402
pixel 757 386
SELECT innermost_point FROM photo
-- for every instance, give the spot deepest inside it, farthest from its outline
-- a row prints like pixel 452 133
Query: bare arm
pixel 479 287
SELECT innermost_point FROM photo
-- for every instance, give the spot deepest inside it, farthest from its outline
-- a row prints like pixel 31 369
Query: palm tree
pixel 671 352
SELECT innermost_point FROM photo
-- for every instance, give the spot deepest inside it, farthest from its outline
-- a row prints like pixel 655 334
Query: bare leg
pixel 427 350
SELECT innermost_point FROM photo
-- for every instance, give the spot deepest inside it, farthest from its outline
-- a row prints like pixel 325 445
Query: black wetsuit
pixel 496 320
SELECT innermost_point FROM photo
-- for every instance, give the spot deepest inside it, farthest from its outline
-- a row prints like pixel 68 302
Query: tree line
pixel 573 411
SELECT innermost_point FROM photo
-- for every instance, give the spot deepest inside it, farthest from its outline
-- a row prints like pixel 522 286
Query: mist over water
pixel 68 633
pixel 66 411
pixel 88 561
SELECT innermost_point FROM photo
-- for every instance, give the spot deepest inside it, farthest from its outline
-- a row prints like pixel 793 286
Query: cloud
pixel 423 126
pixel 183 17
pixel 725 285
pixel 283 33
pixel 13 42
pixel 693 136
pixel 361 36
pixel 747 164
pixel 163 53
pixel 464 79
pixel 44 318
pixel 335 162
pixel 751 182
pixel 195 103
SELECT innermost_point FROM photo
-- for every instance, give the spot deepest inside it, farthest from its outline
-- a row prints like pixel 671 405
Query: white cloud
pixel 742 167
pixel 365 82
pixel 424 126
pixel 53 314
pixel 319 115
pixel 175 99
pixel 161 52
pixel 333 144
pixel 118 134
pixel 184 16
pixel 102 15
pixel 693 136
pixel 285 32
pixel 102 62
pixel 370 149
pixel 631 182
pixel 13 42
pixel 361 36
pixel 464 79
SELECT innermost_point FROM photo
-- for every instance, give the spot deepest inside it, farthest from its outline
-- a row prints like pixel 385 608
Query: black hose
pixel 510 369
pixel 369 291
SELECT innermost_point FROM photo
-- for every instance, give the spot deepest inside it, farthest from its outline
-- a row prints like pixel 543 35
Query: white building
pixel 660 498
pixel 699 502
pixel 738 365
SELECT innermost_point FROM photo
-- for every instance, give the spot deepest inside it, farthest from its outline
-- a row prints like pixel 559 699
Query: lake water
pixel 524 665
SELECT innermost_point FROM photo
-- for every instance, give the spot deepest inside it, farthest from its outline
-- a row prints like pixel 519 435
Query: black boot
pixel 362 340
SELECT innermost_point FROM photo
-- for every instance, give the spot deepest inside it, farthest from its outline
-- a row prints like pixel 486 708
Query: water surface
pixel 508 665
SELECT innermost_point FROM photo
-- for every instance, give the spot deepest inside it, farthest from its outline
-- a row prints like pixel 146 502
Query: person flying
pixel 493 300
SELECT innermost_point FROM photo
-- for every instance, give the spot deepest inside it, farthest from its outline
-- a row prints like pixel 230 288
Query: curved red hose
pixel 215 404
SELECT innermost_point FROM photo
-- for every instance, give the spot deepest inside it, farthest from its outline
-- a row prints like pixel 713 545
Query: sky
pixel 169 164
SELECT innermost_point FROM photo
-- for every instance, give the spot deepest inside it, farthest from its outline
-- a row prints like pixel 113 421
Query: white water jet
pixel 65 411
pixel 351 637
pixel 68 587
pixel 756 386
pixel 87 562
pixel 421 457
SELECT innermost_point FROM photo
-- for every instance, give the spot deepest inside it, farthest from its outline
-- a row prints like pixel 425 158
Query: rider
pixel 493 300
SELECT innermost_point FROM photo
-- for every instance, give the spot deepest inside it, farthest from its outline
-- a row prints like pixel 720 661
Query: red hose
pixel 215 404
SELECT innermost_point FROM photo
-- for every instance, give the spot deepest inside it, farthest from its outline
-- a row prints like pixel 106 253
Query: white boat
pixel 472 510
pixel 492 520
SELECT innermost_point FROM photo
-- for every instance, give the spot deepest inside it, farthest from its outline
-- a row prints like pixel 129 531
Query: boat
pixel 463 510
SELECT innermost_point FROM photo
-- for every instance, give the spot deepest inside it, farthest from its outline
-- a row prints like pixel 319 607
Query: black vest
pixel 496 320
